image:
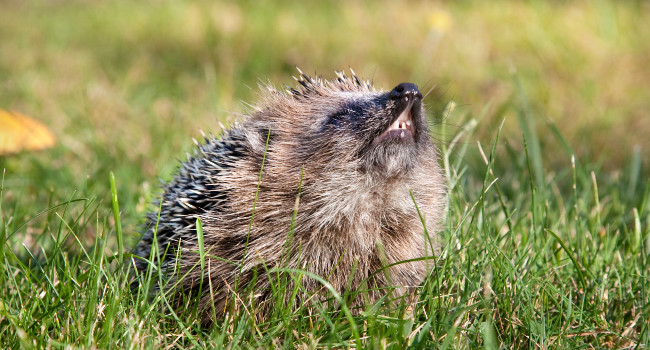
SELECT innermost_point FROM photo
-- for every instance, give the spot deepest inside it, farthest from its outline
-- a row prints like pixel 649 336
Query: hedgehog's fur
pixel 354 213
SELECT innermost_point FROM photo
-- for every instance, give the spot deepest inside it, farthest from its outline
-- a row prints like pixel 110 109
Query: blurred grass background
pixel 124 85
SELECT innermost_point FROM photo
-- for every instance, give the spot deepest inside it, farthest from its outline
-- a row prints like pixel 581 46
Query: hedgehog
pixel 333 178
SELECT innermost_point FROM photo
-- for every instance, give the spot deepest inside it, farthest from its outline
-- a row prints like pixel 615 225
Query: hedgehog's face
pixel 384 130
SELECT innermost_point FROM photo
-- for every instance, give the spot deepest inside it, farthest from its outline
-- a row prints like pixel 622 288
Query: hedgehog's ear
pixel 255 142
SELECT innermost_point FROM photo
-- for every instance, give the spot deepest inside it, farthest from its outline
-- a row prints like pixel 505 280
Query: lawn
pixel 540 111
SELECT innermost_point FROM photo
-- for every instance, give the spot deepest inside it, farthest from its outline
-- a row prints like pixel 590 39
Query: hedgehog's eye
pixel 350 114
pixel 337 119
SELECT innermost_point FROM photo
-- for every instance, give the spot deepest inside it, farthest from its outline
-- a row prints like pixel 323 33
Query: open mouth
pixel 402 128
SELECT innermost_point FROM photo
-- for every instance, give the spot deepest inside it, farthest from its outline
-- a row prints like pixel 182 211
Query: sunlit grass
pixel 522 265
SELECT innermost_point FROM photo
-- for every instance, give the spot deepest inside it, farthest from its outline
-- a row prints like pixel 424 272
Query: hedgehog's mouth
pixel 403 127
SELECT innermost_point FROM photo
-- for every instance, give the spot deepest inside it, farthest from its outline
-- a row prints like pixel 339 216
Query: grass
pixel 547 239
pixel 522 266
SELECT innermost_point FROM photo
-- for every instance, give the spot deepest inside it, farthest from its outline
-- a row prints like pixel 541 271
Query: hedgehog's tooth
pixel 408 123
pixel 402 134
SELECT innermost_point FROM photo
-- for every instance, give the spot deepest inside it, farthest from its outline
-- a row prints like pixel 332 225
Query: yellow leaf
pixel 19 132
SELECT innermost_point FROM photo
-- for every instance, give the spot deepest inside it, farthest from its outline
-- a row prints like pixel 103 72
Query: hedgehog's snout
pixel 405 96
pixel 407 99
pixel 406 91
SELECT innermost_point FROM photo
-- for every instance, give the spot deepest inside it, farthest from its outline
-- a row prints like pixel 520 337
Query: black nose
pixel 405 89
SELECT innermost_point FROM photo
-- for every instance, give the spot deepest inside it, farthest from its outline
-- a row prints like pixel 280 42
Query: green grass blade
pixel 118 222
pixel 577 266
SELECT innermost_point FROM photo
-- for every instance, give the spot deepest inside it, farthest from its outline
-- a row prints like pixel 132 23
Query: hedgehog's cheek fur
pixel 389 153
pixel 390 158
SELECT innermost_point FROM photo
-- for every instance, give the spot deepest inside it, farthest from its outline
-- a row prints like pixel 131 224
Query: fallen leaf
pixel 19 132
